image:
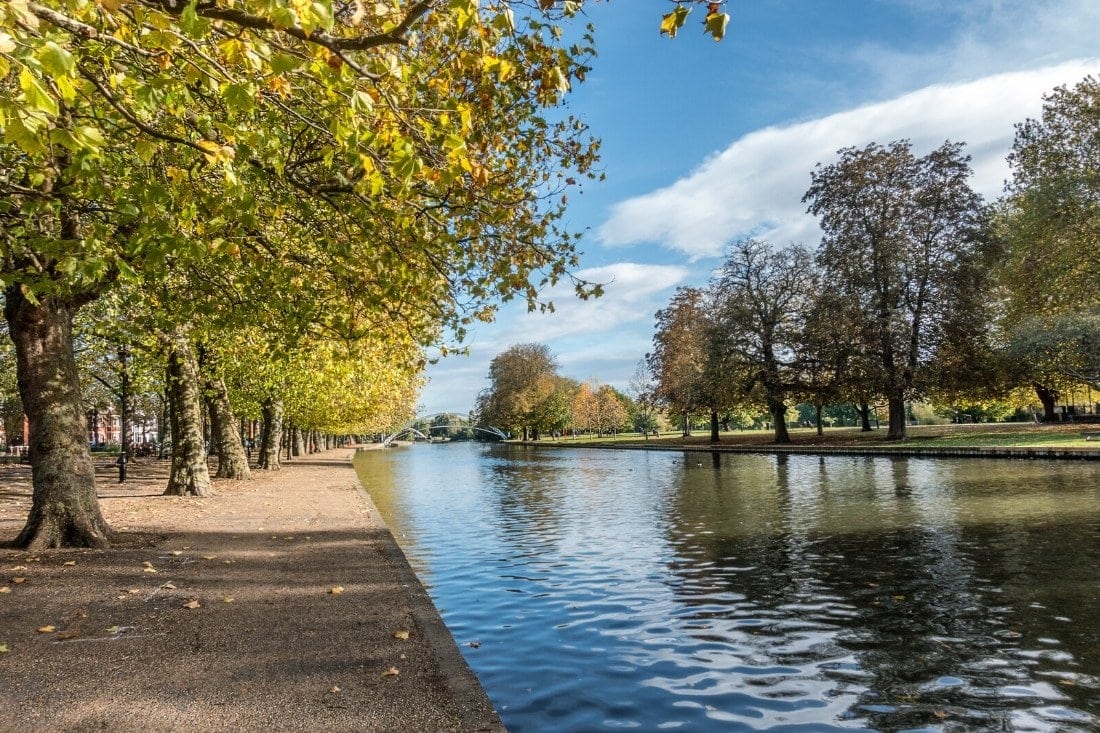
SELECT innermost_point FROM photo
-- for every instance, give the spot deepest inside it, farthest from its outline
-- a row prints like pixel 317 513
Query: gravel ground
pixel 278 604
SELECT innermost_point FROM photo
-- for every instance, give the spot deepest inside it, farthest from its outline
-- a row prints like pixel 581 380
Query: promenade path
pixel 278 604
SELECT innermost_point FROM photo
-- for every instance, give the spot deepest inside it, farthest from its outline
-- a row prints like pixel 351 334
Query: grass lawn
pixel 1016 435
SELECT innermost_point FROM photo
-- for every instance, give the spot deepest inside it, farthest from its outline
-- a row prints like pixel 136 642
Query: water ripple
pixel 611 591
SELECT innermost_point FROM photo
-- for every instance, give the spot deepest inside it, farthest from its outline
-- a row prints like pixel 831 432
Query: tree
pixel 641 388
pixel 1050 223
pixel 612 409
pixel 406 142
pixel 520 378
pixel 763 297
pixel 679 358
pixel 897 230
pixel 1051 216
pixel 585 409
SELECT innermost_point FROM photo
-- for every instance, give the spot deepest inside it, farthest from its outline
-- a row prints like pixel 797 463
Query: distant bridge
pixel 388 440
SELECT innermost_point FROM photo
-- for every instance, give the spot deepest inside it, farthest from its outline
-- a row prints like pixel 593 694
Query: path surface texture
pixel 278 604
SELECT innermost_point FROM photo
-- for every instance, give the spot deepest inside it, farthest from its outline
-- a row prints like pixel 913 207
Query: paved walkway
pixel 279 604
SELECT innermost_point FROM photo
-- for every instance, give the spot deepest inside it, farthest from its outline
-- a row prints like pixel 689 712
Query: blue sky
pixel 705 143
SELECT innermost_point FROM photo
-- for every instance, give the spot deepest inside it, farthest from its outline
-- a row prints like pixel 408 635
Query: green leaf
pixel 89 137
pixel 674 21
pixel 145 149
pixel 191 24
pixel 37 96
pixel 4 649
pixel 284 62
pixel 241 97
pixel 715 24
pixel 18 133
pixel 56 60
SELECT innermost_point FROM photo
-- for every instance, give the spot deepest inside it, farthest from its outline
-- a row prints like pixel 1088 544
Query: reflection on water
pixel 605 589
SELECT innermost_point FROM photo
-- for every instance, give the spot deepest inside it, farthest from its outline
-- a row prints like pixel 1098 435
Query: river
pixel 606 590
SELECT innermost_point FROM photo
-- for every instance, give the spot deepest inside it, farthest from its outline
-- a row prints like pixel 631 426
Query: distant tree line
pixel 918 288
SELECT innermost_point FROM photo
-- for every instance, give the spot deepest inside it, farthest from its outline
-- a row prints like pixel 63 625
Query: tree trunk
pixel 125 413
pixel 897 419
pixel 817 419
pixel 1049 399
pixel 864 411
pixel 190 475
pixel 299 437
pixel 64 507
pixel 778 412
pixel 225 430
pixel 272 414
pixel 714 438
pixel 687 426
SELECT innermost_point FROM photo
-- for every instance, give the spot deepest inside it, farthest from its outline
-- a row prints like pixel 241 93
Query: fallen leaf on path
pixel 391 672
pixel 68 634
pixel 134 591
pixel 147 564
pixel 336 590
pixel 191 604
pixel 46 629
pixel 114 629
pixel 4 649
pixel 18 568
pixel 335 688
pixel 5 589
pixel 70 562
pixel 152 571
pixel 17 581
pixel 209 557
pixel 177 553
pixel 401 635
pixel 228 599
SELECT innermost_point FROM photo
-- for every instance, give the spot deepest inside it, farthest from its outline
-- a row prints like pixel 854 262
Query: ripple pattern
pixel 606 590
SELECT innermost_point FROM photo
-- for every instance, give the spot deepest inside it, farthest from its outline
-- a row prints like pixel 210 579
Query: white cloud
pixel 755 186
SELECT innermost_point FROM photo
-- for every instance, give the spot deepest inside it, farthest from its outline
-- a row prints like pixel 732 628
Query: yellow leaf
pixel 70 562
pixel 46 629
pixel 177 553
pixel 210 150
pixel 401 635
pixel 228 599
pixel 150 570
pixel 111 5
pixel 336 590
pixel 5 589
pixel 18 581
pixel 191 604
pixel 391 672
pixel 4 649
pixel 674 21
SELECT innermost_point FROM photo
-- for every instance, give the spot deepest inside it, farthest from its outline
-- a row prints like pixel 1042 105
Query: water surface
pixel 602 590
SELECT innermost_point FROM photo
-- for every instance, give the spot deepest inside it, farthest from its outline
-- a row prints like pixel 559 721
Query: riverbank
pixel 985 440
pixel 278 604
